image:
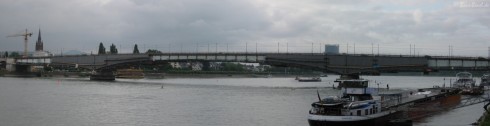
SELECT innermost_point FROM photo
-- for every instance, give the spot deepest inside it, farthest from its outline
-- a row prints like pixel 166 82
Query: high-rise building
pixel 39 42
pixel 331 49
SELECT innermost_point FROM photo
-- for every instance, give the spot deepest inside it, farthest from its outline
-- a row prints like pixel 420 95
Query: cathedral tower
pixel 39 42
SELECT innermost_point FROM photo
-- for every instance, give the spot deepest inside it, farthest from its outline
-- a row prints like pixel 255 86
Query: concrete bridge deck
pixel 318 61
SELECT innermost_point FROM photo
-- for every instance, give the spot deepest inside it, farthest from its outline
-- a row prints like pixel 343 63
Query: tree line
pixel 113 50
pixel 12 54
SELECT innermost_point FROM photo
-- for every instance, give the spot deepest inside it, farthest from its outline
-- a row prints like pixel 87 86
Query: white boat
pixel 485 80
pixel 465 80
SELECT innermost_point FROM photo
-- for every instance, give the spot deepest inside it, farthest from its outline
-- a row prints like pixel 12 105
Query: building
pixel 331 49
pixel 39 42
pixel 40 47
pixel 197 66
pixel 175 65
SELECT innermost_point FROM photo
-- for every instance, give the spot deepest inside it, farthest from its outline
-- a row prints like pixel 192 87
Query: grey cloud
pixel 82 24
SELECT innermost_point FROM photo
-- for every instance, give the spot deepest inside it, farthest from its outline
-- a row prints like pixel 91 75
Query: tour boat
pixel 130 73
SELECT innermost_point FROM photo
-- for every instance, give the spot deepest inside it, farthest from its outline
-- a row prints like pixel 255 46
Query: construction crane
pixel 26 36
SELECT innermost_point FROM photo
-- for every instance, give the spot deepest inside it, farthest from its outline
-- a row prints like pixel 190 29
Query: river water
pixel 186 101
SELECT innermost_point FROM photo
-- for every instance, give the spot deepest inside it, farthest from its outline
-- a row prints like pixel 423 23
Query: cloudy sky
pixel 250 25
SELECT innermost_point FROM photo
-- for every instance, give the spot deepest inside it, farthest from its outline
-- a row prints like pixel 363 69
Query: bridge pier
pixel 23 68
pixel 10 65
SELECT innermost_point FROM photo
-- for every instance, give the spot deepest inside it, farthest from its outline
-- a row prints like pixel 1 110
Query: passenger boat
pixel 465 80
pixel 103 75
pixel 485 80
pixel 130 73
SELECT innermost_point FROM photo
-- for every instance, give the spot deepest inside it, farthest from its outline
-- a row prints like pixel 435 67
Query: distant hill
pixel 73 52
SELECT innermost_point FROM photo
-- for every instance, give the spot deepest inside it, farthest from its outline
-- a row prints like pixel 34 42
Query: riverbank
pixel 182 73
pixel 165 75
pixel 484 120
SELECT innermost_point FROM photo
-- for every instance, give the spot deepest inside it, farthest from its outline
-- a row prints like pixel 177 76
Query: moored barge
pixel 359 104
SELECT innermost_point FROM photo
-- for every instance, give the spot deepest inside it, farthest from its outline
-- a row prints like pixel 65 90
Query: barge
pixel 312 79
pixel 103 75
pixel 359 104
pixel 130 73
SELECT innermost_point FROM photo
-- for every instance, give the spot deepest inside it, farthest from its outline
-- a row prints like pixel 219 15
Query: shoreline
pixel 165 75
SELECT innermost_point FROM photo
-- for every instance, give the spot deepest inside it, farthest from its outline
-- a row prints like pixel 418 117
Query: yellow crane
pixel 26 36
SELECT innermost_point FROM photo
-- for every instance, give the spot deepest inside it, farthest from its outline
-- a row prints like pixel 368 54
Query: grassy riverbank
pixel 486 120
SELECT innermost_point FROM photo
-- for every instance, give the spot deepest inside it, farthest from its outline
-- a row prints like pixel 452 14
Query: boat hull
pixel 103 77
pixel 372 120
pixel 131 77
pixel 310 80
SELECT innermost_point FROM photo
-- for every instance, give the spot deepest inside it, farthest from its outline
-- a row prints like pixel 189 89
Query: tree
pixel 153 51
pixel 135 50
pixel 206 66
pixel 14 55
pixel 101 48
pixel 113 49
pixel 232 67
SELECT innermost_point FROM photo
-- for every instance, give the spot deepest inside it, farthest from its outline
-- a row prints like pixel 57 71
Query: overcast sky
pixel 250 25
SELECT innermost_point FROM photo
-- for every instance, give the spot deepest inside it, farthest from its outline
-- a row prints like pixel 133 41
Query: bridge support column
pixel 23 68
pixel 10 65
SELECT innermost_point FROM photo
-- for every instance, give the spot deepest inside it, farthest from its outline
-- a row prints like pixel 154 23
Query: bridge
pixel 318 61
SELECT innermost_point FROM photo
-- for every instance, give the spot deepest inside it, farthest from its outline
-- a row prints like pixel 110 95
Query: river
pixel 186 101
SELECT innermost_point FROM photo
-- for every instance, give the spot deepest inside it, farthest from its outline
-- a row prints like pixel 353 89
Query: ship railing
pixel 360 102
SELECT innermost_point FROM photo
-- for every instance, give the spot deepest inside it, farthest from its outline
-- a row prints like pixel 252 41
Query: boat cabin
pixel 356 99
pixel 485 80
pixel 465 80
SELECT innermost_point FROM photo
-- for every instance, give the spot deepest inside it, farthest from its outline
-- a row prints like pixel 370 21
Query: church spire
pixel 39 36
pixel 39 43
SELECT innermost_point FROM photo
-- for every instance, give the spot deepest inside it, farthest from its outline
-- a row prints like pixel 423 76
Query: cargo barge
pixel 359 104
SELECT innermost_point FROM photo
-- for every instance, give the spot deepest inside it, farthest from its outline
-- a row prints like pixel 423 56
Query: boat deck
pixel 413 97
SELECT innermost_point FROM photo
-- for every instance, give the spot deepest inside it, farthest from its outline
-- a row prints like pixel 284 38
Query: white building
pixel 175 65
pixel 196 66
